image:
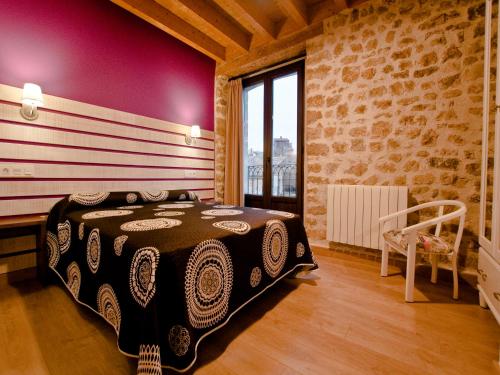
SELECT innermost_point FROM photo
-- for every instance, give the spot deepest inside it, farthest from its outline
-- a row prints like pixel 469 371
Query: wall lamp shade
pixel 31 99
pixel 194 133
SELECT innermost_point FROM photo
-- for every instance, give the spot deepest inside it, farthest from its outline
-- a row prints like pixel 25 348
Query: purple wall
pixel 95 52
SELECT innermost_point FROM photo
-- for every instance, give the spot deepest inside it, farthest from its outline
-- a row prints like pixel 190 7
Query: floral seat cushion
pixel 426 243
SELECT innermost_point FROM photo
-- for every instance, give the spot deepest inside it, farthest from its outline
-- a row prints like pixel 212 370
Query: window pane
pixel 253 139
pixel 284 157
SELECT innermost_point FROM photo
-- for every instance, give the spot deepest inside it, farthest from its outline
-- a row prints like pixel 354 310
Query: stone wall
pixel 221 93
pixel 394 97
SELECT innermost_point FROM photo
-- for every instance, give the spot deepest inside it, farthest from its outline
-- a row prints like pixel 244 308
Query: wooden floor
pixel 344 319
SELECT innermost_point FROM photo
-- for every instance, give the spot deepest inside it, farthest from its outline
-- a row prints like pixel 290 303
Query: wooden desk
pixel 12 227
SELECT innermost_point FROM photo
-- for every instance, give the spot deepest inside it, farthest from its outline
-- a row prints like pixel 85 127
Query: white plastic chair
pixel 408 242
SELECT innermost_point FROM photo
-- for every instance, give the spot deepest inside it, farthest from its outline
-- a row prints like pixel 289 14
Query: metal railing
pixel 284 180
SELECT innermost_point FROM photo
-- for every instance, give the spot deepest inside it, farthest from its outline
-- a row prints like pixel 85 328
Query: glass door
pixel 253 139
pixel 272 131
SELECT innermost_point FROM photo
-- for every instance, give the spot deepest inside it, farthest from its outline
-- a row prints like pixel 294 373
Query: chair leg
pixel 385 260
pixel 434 262
pixel 455 276
pixel 410 266
pixel 482 301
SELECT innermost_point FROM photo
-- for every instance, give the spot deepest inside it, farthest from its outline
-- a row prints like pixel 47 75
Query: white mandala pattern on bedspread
pixel 288 215
pixel 131 198
pixel 74 279
pixel 300 251
pixel 223 206
pixel 208 283
pixel 118 244
pixel 274 247
pixel 108 307
pixel 129 207
pixel 105 213
pixel 169 213
pixel 52 249
pixel 179 340
pixel 64 236
pixel 238 227
pixel 221 212
pixel 208 217
pixel 143 274
pixel 176 205
pixel 149 362
pixel 154 196
pixel 255 277
pixel 88 199
pixel 149 224
pixel 81 231
pixel 94 250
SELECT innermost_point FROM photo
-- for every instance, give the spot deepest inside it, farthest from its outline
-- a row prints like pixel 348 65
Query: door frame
pixel 267 79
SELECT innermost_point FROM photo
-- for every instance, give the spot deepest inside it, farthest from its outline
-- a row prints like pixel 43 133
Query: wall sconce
pixel 32 98
pixel 195 133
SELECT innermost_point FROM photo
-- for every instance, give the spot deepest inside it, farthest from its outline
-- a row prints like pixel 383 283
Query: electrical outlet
pixel 18 170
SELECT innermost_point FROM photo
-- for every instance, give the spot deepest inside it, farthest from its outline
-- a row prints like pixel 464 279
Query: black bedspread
pixel 164 269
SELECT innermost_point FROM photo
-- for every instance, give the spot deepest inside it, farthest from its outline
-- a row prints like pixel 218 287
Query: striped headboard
pixel 78 147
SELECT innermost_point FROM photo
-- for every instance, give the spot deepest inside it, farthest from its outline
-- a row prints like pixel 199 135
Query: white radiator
pixel 353 212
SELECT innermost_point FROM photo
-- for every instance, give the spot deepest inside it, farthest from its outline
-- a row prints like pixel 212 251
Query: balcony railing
pixel 284 180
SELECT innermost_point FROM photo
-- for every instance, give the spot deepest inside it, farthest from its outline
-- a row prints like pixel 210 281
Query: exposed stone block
pixel 350 74
pixel 381 129
pixel 425 72
pixel 444 163
pixel 339 147
pixel 428 59
pixel 424 179
pixel 357 169
pixel 317 149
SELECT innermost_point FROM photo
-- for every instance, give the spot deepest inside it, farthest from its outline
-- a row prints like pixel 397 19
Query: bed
pixel 166 270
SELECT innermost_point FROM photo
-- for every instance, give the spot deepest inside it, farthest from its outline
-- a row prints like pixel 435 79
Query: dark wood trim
pixel 249 75
pixel 42 257
pixel 17 253
pixel 28 225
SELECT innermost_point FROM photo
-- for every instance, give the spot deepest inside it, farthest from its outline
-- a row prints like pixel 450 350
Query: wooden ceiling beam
pixel 270 53
pixel 211 15
pixel 251 15
pixel 342 4
pixel 296 10
pixel 154 13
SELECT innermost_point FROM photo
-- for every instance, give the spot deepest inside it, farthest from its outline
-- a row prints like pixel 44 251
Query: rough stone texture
pixel 221 93
pixel 393 97
pixel 403 80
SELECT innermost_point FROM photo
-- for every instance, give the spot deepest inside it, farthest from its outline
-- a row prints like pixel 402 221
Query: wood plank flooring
pixel 343 319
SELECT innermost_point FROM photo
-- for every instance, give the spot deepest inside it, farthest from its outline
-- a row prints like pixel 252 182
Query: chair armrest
pixel 422 206
pixel 434 221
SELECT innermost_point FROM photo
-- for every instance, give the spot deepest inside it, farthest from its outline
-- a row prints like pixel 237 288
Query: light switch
pixel 19 170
